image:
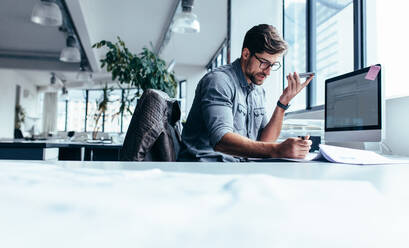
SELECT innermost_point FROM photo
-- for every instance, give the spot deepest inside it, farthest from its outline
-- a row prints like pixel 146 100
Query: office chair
pixel 154 131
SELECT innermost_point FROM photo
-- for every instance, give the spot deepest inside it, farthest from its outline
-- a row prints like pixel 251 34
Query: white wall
pixel 7 104
pixel 192 74
pixel 28 99
pixel 246 14
pixel 397 125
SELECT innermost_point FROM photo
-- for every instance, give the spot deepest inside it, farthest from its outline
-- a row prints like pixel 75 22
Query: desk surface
pixel 103 204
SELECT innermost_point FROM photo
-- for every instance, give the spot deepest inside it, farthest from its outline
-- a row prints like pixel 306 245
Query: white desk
pixel 124 204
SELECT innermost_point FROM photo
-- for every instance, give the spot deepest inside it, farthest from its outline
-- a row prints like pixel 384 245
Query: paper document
pixel 308 158
pixel 337 154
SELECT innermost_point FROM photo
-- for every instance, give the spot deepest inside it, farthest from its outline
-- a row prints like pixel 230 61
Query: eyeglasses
pixel 265 64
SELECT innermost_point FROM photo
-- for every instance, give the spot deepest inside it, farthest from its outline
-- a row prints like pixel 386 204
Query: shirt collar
pixel 240 75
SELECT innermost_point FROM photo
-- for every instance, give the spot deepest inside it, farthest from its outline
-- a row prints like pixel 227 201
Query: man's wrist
pixel 284 100
pixel 268 149
pixel 282 105
pixel 275 150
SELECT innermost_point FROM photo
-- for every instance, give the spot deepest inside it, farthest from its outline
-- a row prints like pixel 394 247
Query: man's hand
pixel 294 148
pixel 293 88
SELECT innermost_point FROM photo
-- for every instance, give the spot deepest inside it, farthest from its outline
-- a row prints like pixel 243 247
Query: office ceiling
pixel 35 49
pixel 24 44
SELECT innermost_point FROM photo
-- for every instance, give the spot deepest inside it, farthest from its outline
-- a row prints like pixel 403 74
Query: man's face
pixel 257 66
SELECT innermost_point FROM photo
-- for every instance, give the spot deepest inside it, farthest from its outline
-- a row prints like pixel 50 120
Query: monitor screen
pixel 353 102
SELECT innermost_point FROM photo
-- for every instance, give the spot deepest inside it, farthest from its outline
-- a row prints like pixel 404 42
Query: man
pixel 227 121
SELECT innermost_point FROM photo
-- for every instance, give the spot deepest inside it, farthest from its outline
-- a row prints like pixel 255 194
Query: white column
pixel 50 112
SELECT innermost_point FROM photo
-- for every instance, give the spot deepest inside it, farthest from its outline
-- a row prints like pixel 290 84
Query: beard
pixel 252 76
pixel 254 80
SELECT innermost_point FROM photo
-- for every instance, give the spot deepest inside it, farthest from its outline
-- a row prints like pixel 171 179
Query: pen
pixel 304 137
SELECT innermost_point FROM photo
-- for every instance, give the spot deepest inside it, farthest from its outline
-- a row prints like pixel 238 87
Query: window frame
pixel 360 47
pixel 222 51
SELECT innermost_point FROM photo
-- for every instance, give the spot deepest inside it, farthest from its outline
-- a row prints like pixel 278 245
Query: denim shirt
pixel 224 102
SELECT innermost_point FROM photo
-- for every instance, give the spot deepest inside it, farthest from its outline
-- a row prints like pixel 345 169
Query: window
pixel 94 97
pixel 295 35
pixel 112 118
pixel 61 114
pixel 76 111
pixel 224 56
pixel 220 57
pixel 324 36
pixel 182 99
pixel 126 119
pixel 334 42
pixel 79 112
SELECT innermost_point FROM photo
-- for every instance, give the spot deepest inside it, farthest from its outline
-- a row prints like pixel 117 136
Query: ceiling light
pixel 186 22
pixel 70 53
pixel 64 94
pixel 47 13
pixel 83 75
pixel 53 81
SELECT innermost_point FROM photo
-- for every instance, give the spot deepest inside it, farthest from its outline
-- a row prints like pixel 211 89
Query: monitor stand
pixel 354 145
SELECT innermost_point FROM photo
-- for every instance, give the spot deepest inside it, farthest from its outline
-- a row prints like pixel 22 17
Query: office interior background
pixel 330 37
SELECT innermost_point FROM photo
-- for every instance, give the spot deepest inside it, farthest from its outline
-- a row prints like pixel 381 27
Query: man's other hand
pixel 294 148
pixel 294 87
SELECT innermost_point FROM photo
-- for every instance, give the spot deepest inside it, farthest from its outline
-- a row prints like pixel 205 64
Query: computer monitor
pixel 354 107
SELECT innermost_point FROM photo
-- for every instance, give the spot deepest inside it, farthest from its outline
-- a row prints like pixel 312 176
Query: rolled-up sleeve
pixel 216 106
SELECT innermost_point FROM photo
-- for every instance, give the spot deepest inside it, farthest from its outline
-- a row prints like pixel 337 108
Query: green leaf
pixel 143 70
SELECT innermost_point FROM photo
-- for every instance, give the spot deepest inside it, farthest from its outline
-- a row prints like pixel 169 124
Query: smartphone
pixel 306 74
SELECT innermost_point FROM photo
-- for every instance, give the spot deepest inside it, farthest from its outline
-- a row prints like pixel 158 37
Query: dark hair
pixel 264 38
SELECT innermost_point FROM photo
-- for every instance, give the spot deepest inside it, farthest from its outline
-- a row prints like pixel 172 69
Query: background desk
pixel 147 204
pixel 90 152
pixel 64 150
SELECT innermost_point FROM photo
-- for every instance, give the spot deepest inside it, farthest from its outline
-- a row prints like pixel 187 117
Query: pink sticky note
pixel 373 72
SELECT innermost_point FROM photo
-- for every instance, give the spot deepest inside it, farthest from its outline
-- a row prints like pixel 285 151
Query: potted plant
pixel 142 71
